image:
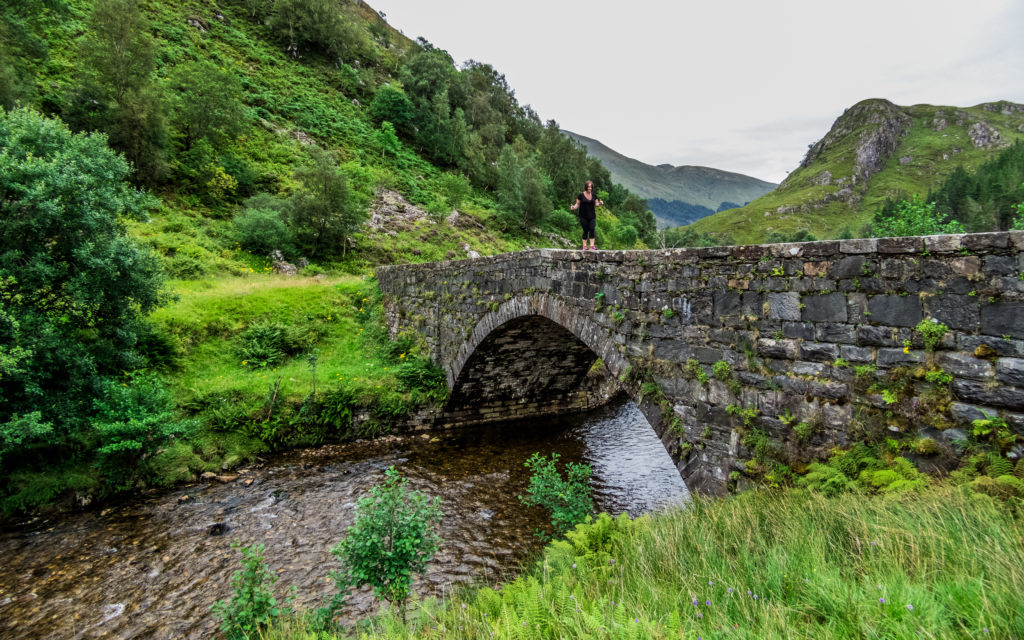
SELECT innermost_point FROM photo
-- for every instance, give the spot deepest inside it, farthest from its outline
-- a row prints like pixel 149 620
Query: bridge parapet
pixel 822 335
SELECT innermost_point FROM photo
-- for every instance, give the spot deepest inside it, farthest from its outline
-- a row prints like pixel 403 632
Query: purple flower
pixel 710 583
pixel 636 619
pixel 611 560
pixel 571 597
pixel 574 565
pixel 730 590
pixel 881 600
pixel 700 615
pixel 695 601
pixel 463 605
pixel 707 603
pixel 910 607
pixel 749 592
pixel 755 596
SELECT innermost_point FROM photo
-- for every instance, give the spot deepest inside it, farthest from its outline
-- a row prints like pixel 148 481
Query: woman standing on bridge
pixel 586 203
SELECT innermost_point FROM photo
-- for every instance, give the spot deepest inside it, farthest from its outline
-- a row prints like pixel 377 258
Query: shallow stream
pixel 152 567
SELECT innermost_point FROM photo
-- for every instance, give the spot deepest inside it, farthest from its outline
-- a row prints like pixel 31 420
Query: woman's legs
pixel 588 231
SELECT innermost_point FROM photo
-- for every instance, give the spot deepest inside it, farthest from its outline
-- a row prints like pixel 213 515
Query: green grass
pixel 338 319
pixel 944 563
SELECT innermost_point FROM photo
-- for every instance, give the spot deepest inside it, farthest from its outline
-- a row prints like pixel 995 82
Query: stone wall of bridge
pixel 820 340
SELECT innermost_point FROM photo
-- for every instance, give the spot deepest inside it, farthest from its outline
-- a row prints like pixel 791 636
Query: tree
pixel 327 210
pixel 207 103
pixel 509 192
pixel 391 104
pixel 74 287
pixel 117 95
pixel 393 538
pixel 914 217
pixel 386 140
pixel 253 607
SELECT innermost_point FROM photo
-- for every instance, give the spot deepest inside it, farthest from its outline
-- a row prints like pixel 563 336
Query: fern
pixel 996 465
pixel 827 479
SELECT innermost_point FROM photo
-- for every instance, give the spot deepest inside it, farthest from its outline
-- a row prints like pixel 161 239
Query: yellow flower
pixel 906 349
pixel 402 356
pixel 245 362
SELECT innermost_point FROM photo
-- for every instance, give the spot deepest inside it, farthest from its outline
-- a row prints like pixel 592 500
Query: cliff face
pixel 874 150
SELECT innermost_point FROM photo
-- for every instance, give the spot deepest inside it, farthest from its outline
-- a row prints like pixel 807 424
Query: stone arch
pixel 529 357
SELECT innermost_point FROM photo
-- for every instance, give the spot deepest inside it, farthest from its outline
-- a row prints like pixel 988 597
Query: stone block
pixel 942 244
pixel 1000 265
pixel 726 303
pixel 830 307
pixel 968 266
pixel 963 365
pixel 956 312
pixel 858 245
pixel 897 358
pixel 985 346
pixel 832 332
pixel 900 311
pixel 798 330
pixel 851 353
pixel 809 368
pixel 1003 318
pixel 784 306
pixel 966 413
pixel 908 244
pixel 819 351
pixel 986 394
pixel 785 349
pixel 856 305
pixel 1010 371
pixel 876 336
pixel 849 267
pixel 986 241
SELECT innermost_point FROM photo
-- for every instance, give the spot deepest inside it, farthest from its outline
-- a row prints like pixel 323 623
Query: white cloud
pixel 741 85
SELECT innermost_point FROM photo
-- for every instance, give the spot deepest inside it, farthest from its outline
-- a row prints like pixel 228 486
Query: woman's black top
pixel 587 206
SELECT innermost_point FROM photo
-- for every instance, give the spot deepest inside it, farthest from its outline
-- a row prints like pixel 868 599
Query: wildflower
pixel 699 615
pixel 707 603
pixel 611 561
pixel 749 592
pixel 730 590
pixel 906 349
pixel 910 607
pixel 574 565
pixel 755 596
pixel 636 619
pixel 711 583
pixel 695 601
pixel 881 600
pixel 463 605
pixel 244 362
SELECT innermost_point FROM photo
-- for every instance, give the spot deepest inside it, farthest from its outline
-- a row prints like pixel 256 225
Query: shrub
pixel 392 539
pixel 253 607
pixel 913 217
pixel 932 332
pixel 262 231
pixel 568 499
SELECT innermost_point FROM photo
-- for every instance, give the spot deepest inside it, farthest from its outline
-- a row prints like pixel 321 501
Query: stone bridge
pixel 741 358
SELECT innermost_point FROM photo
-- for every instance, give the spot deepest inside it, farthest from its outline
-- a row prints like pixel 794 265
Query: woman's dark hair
pixel 588 182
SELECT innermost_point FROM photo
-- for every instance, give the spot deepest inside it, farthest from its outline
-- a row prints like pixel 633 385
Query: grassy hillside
pixel 875 150
pixel 702 186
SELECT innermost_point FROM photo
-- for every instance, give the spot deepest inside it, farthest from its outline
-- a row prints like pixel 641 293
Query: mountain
pixel 676 195
pixel 874 150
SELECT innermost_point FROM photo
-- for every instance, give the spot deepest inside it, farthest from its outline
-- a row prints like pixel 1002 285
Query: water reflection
pixel 151 567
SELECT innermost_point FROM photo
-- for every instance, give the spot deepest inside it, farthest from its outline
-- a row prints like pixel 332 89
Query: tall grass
pixel 945 563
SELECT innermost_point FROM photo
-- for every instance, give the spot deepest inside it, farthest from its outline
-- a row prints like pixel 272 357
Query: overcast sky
pixel 739 85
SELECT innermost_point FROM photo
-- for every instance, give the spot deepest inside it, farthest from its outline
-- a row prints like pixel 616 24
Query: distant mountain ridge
pixel 874 150
pixel 676 195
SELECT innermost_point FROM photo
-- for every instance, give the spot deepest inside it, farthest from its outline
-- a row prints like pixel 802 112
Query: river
pixel 152 566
